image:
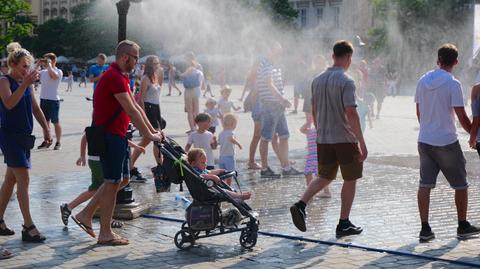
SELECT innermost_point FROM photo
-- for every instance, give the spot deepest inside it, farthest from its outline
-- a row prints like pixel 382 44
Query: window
pixel 64 13
pixel 303 17
pixel 336 17
pixel 319 15
pixel 54 12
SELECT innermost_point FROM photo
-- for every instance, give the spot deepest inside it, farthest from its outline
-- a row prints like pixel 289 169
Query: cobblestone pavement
pixel 385 206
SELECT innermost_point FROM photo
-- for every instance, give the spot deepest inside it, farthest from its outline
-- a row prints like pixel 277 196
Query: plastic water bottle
pixel 182 200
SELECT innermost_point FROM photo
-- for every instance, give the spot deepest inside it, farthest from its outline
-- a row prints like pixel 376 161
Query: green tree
pixel 50 37
pixel 281 11
pixel 408 32
pixel 14 21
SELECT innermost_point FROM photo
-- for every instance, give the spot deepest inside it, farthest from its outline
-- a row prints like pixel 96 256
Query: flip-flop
pixel 84 227
pixel 114 242
pixel 5 254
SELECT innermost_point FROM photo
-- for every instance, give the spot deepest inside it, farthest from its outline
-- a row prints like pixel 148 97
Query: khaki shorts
pixel 343 155
pixel 191 101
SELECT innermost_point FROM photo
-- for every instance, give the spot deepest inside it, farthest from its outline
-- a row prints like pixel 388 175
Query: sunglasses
pixel 133 56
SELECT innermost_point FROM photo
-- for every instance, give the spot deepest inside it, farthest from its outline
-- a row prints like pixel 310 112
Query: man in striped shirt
pixel 270 91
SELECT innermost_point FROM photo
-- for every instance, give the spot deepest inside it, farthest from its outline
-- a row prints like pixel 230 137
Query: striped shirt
pixel 265 71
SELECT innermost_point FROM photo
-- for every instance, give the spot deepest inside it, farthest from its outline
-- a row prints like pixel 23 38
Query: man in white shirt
pixel 439 97
pixel 50 78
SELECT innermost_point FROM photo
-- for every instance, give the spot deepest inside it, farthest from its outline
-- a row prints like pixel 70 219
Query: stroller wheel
pixel 248 238
pixel 185 227
pixel 184 239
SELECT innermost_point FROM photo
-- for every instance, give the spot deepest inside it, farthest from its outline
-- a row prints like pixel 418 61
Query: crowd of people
pixel 339 99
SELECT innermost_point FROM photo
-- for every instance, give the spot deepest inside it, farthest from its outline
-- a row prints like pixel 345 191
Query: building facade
pixel 337 18
pixel 44 10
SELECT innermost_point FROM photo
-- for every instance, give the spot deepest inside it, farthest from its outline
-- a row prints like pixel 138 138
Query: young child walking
pixel 202 138
pixel 97 180
pixel 227 142
pixel 311 163
pixel 197 158
pixel 224 104
pixel 214 113
pixel 69 81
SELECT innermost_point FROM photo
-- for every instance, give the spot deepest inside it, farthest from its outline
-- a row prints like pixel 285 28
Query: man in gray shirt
pixel 340 140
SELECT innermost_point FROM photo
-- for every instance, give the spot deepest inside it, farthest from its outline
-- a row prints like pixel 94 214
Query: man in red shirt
pixel 113 100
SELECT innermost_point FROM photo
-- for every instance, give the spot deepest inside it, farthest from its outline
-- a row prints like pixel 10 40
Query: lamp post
pixel 122 9
pixel 125 195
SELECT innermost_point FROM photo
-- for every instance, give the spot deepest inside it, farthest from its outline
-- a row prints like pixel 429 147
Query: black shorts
pixel 154 115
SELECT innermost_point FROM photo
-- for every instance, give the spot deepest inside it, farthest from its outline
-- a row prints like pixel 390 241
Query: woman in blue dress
pixel 16 124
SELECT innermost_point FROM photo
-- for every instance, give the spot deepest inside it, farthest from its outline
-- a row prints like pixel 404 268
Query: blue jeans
pixel 274 121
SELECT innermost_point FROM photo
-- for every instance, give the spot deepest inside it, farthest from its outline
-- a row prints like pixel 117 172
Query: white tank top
pixel 152 95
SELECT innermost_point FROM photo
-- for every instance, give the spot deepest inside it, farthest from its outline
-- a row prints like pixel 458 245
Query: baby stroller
pixel 204 217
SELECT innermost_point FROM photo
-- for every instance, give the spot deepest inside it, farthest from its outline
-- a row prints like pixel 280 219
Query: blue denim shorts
pixel 227 163
pixel 115 161
pixel 274 121
pixel 50 109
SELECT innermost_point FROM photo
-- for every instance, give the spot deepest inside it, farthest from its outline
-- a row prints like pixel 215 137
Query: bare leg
pixel 275 147
pixel 423 197
pixel 308 178
pixel 136 153
pixel 295 103
pixel 347 196
pixel 23 179
pixel 313 188
pixel 254 143
pixel 6 192
pixel 107 203
pixel 461 201
pixel 283 152
pixel 264 153
pixel 82 198
pixel 190 119
pixel 58 131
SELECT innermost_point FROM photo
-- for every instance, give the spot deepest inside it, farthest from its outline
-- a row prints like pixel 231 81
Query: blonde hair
pixel 227 89
pixel 229 120
pixel 211 101
pixel 50 56
pixel 150 67
pixel 194 154
pixel 16 53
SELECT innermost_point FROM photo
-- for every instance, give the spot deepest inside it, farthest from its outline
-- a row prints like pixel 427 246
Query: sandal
pixel 65 213
pixel 116 224
pixel 84 227
pixel 254 166
pixel 6 231
pixel 114 242
pixel 5 254
pixel 27 237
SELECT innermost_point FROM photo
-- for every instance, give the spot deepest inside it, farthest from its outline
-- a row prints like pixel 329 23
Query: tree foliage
pixel 281 11
pixel 407 33
pixel 13 15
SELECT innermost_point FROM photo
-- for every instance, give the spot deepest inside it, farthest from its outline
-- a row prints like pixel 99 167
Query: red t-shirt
pixel 105 104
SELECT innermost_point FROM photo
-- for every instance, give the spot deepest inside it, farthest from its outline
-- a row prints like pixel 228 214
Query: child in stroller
pixel 204 217
pixel 197 158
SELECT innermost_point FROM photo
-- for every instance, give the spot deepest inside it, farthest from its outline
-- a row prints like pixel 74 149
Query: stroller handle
pixel 228 174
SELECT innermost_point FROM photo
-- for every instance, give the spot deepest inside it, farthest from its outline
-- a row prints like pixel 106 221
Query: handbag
pixel 96 136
